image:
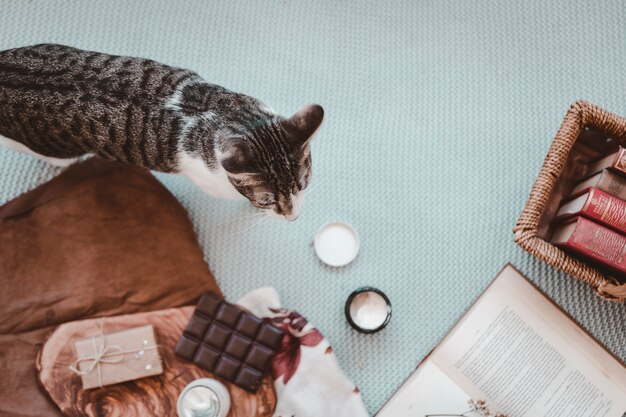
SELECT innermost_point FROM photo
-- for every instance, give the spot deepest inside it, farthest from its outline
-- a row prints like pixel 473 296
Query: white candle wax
pixel 336 244
pixel 369 310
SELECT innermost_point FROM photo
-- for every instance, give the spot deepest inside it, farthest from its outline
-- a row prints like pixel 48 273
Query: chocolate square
pixel 259 357
pixel 270 336
pixel 206 357
pixel 238 346
pixel 248 325
pixel 227 367
pixel 186 347
pixel 217 335
pixel 197 326
pixel 227 314
pixel 248 378
pixel 208 304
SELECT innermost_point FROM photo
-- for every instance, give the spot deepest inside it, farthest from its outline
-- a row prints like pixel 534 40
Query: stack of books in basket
pixel 591 221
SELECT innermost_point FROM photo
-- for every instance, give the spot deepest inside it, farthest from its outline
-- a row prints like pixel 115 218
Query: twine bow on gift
pixel 104 354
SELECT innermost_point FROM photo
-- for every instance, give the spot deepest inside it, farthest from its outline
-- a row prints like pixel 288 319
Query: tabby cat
pixel 59 103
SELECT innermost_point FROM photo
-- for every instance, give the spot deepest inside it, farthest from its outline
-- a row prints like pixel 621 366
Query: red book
pixel 593 241
pixel 605 180
pixel 598 206
pixel 615 161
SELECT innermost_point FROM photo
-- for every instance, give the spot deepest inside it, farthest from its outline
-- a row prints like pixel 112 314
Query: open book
pixel 522 355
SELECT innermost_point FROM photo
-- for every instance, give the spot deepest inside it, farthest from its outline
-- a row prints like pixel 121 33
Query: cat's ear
pixel 302 125
pixel 237 158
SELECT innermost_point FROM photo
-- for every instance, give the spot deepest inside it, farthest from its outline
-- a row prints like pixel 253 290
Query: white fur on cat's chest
pixel 215 182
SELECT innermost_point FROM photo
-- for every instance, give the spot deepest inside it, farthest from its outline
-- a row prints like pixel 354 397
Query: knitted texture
pixel 438 117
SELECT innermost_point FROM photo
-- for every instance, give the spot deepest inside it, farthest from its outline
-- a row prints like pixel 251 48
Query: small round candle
pixel 336 244
pixel 368 310
pixel 204 397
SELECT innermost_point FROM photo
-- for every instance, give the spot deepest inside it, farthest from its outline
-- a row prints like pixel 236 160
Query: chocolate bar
pixel 229 342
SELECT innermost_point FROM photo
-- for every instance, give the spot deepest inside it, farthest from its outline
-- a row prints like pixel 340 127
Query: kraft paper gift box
pixel 111 358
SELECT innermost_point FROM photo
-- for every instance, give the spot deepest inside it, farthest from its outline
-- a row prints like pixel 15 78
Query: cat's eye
pixel 265 202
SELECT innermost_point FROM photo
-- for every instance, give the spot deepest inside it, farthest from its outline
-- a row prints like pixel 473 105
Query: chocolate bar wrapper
pixel 124 356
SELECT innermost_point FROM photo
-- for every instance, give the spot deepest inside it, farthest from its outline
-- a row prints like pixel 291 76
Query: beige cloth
pixel 101 239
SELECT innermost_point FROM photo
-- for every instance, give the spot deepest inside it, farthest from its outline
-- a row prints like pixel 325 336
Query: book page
pixel 428 391
pixel 526 358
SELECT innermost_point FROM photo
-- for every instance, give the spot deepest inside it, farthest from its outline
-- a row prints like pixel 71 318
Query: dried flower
pixel 478 408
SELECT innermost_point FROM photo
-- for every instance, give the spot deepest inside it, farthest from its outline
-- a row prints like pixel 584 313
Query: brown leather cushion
pixel 101 239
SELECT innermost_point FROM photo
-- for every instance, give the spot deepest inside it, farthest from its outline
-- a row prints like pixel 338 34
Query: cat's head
pixel 270 164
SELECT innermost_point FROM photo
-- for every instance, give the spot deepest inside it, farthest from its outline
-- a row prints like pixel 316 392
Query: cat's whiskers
pixel 251 215
pixel 250 227
pixel 244 218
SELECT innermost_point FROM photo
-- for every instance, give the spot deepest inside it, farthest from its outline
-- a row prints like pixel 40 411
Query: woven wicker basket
pixel 585 127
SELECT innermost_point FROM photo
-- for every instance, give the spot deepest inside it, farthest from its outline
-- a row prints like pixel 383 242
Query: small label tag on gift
pixel 111 358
